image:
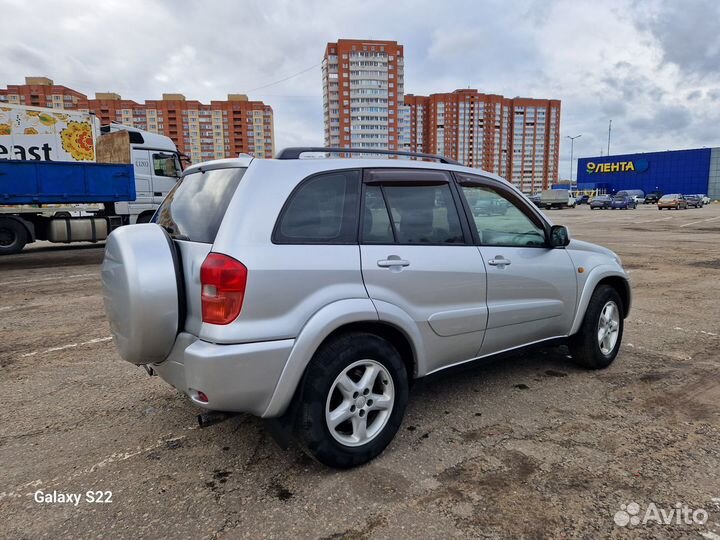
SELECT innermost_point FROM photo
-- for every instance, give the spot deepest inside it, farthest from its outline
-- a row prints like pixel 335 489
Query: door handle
pixel 391 261
pixel 500 261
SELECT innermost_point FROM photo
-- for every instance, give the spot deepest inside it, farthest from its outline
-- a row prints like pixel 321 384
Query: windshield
pixel 195 207
pixel 619 197
pixel 668 197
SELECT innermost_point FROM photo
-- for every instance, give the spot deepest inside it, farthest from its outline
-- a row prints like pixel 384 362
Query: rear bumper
pixel 237 378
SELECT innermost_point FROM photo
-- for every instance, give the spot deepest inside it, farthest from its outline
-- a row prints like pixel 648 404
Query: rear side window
pixel 322 210
pixel 195 207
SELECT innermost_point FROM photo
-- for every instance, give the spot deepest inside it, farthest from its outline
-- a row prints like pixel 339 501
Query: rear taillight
pixel 223 281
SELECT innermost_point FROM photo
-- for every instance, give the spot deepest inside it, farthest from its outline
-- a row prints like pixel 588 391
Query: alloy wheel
pixel 359 403
pixel 608 327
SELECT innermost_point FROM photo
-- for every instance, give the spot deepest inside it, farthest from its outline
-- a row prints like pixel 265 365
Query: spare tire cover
pixel 140 292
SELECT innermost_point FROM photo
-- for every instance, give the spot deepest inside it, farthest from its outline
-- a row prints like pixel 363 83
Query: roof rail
pixel 296 151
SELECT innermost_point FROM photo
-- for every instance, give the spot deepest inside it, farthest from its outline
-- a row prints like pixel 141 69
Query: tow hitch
pixel 213 417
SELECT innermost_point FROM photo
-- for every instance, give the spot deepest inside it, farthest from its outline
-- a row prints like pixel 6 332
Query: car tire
pixel 13 236
pixel 334 383
pixel 604 312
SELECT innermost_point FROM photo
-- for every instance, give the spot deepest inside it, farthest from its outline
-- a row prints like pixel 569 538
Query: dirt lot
pixel 529 446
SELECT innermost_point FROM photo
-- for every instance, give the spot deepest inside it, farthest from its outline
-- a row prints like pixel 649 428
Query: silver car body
pixel 452 304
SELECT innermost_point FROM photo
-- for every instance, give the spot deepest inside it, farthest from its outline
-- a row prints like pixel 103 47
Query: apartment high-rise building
pixel 202 131
pixel 363 94
pixel 516 138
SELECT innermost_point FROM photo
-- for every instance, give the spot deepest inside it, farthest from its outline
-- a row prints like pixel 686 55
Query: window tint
pixel 323 210
pixel 166 165
pixel 499 222
pixel 195 207
pixel 423 214
pixel 376 221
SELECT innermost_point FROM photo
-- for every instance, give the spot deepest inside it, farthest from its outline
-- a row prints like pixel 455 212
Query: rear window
pixel 195 207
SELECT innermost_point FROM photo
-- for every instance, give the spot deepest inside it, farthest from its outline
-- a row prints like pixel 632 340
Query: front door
pixel 143 175
pixel 418 256
pixel 531 288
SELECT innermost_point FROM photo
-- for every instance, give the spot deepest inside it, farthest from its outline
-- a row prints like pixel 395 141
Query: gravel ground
pixel 525 447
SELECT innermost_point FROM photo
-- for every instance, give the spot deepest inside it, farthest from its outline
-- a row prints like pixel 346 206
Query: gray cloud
pixel 688 34
pixel 651 66
pixel 665 119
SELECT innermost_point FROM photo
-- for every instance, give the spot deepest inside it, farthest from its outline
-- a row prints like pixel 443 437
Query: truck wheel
pixel 352 400
pixel 13 236
pixel 597 343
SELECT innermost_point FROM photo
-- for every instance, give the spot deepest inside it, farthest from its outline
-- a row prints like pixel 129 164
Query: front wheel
pixel 13 236
pixel 352 401
pixel 597 343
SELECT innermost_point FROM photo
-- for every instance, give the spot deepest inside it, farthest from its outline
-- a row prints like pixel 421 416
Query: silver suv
pixel 313 291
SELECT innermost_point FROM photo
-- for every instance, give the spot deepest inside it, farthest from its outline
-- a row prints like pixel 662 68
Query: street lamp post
pixel 572 147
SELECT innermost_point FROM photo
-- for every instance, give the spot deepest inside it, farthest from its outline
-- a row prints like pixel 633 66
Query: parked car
pixel 603 202
pixel 638 199
pixel 653 197
pixel 705 199
pixel 535 199
pixel 490 207
pixel 672 200
pixel 582 199
pixel 622 202
pixel 694 200
pixel 634 194
pixel 311 292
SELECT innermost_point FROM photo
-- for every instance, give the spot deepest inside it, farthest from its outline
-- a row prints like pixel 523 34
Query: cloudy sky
pixel 653 66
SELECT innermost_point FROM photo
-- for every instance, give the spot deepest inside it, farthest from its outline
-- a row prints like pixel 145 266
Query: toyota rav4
pixel 315 291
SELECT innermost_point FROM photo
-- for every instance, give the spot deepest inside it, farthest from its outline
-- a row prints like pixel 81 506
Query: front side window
pixel 166 165
pixel 323 210
pixel 499 221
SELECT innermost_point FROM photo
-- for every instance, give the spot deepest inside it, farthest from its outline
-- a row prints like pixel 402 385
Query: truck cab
pixel 157 166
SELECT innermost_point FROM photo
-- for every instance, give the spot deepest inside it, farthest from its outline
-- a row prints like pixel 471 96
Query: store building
pixel 673 171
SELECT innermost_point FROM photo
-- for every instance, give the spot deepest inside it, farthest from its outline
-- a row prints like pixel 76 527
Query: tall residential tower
pixel 516 138
pixel 363 94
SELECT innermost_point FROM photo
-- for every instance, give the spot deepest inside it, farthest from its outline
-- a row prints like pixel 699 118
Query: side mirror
pixel 559 236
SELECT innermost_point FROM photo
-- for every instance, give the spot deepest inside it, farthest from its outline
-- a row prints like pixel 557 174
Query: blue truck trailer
pixel 60 182
pixel 65 179
pixel 38 198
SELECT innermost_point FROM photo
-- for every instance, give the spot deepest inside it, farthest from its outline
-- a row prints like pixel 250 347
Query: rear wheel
pixel 597 343
pixel 353 400
pixel 13 236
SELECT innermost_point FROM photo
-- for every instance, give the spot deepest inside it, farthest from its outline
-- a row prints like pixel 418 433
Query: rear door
pixel 531 288
pixel 417 255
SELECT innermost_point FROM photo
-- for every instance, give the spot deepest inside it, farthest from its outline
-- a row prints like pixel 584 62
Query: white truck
pixel 556 198
pixel 53 185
